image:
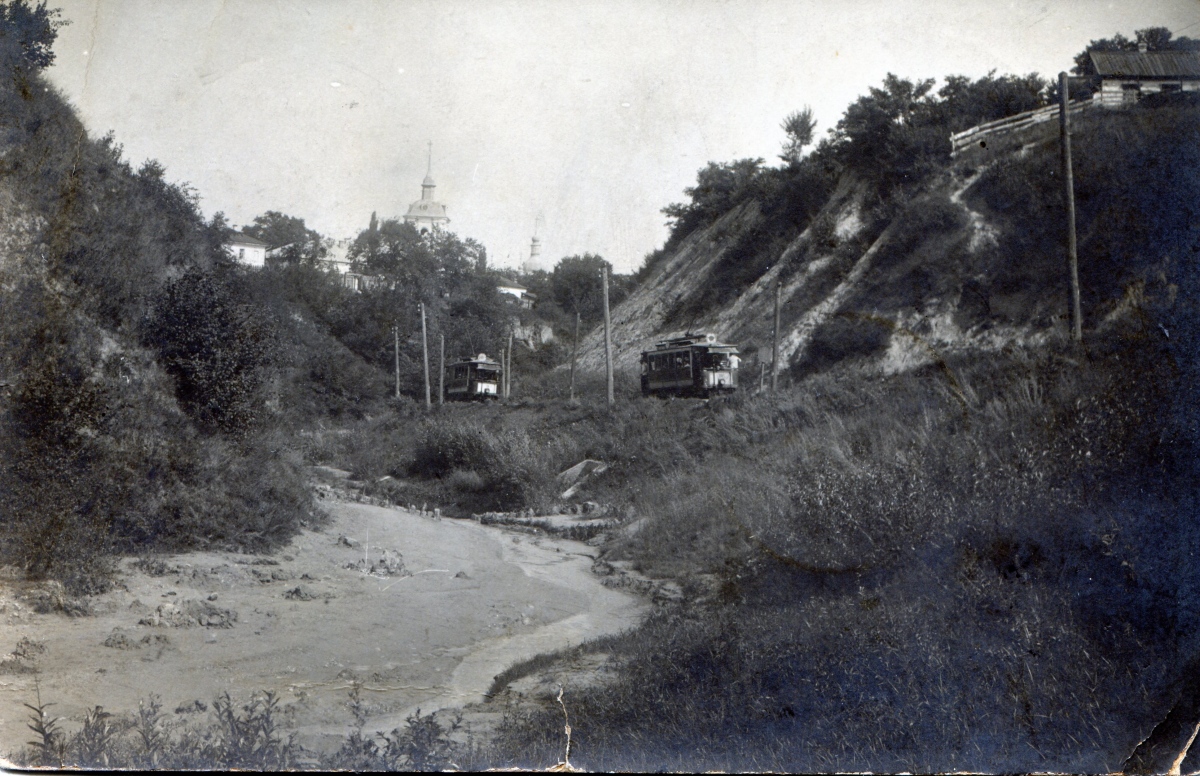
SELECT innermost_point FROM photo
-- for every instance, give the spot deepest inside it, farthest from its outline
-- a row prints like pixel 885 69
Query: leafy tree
pixel 576 287
pixel 27 35
pixel 287 235
pixel 215 347
pixel 798 127
pixel 886 134
pixel 965 103
pixel 719 186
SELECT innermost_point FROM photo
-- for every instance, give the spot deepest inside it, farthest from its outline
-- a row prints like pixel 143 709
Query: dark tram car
pixel 690 366
pixel 475 378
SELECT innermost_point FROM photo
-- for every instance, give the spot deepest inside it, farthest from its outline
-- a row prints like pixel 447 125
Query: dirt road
pixel 471 601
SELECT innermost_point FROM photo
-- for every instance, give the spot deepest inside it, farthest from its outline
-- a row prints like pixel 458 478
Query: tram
pixel 693 365
pixel 473 378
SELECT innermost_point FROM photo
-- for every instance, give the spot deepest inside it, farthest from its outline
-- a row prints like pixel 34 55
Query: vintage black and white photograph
pixel 614 385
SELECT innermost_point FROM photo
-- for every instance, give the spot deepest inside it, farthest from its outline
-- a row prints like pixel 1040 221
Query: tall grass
pixel 960 568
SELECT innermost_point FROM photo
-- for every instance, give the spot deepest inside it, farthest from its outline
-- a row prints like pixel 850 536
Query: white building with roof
pixel 247 250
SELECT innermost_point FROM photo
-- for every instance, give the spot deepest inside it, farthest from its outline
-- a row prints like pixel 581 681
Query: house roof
pixel 513 286
pixel 238 238
pixel 1147 64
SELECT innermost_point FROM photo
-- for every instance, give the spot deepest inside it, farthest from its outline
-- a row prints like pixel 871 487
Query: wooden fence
pixel 973 136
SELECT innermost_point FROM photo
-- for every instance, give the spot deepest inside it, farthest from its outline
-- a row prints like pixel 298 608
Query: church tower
pixel 535 248
pixel 426 214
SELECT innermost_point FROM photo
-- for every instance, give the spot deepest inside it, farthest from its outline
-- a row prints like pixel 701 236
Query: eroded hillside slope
pixel 974 260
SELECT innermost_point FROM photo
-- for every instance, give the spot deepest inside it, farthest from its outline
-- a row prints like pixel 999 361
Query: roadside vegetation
pixel 248 735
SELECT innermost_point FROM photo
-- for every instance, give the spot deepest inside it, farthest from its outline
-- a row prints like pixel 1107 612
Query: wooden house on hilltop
pixel 1126 75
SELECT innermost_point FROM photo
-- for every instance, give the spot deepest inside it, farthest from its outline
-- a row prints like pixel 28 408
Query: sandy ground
pixel 476 599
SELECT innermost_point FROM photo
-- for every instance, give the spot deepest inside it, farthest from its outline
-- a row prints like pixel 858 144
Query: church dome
pixel 427 212
pixel 426 208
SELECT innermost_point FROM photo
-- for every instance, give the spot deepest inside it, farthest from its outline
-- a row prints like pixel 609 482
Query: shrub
pixel 506 463
pixel 215 348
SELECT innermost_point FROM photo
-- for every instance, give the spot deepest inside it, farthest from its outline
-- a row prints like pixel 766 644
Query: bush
pixel 216 349
pixel 506 464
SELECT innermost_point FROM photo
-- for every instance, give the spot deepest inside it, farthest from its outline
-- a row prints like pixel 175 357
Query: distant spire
pixel 427 185
pixel 535 246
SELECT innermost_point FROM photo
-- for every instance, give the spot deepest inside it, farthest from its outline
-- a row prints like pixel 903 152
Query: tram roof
pixel 711 347
pixel 476 362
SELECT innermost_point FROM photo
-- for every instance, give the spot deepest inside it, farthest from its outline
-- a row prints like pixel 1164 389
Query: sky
pixel 577 118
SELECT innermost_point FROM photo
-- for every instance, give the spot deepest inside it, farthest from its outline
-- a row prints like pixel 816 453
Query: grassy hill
pixel 958 541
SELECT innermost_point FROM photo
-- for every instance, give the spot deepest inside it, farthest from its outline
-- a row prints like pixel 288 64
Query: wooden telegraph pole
pixel 425 354
pixel 508 369
pixel 1064 125
pixel 441 369
pixel 574 350
pixel 775 342
pixel 396 342
pixel 608 364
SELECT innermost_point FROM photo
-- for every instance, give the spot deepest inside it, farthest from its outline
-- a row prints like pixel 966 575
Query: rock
pixel 118 639
pixel 300 593
pixel 188 613
pixel 28 648
pixel 13 665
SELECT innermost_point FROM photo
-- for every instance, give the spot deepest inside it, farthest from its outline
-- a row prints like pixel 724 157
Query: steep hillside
pixel 135 370
pixel 974 260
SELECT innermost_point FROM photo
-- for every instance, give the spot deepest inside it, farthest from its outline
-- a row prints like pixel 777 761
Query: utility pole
pixel 396 339
pixel 441 369
pixel 574 350
pixel 608 364
pixel 425 354
pixel 775 342
pixel 508 369
pixel 762 376
pixel 1064 124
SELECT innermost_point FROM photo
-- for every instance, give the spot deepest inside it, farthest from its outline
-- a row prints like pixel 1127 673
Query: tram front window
pixel 717 361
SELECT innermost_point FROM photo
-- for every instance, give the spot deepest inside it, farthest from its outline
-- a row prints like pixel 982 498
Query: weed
pixel 94 742
pixel 49 746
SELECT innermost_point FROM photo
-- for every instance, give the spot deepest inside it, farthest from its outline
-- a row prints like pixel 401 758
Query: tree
pixel 576 287
pixel 27 35
pixel 288 237
pixel 965 103
pixel 215 347
pixel 719 186
pixel 799 127
pixel 893 135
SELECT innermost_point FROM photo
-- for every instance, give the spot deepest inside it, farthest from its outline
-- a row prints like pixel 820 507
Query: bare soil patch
pixel 423 612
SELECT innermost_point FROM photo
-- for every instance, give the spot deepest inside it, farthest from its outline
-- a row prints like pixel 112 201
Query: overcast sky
pixel 593 114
